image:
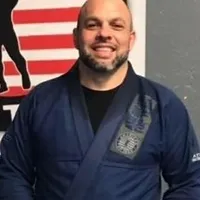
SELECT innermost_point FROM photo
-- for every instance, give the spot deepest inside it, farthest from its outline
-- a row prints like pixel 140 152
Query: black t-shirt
pixel 97 103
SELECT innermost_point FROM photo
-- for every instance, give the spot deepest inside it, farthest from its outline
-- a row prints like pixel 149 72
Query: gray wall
pixel 173 50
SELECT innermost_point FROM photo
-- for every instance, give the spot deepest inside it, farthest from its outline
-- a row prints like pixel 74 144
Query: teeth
pixel 107 49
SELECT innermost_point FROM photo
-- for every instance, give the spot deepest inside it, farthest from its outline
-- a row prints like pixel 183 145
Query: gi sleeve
pixel 16 159
pixel 181 157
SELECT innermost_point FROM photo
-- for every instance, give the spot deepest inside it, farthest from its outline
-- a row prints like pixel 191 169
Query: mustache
pixel 101 38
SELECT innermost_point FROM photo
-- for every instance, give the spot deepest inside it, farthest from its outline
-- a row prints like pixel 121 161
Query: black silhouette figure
pixel 8 39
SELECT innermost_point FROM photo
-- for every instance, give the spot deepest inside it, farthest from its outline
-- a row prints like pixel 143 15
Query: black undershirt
pixel 97 104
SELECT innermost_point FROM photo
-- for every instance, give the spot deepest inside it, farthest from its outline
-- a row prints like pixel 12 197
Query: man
pixel 100 131
pixel 8 39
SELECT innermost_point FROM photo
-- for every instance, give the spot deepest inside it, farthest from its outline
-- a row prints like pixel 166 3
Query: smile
pixel 103 49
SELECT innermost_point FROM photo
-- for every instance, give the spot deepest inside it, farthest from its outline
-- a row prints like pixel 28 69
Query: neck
pixel 102 82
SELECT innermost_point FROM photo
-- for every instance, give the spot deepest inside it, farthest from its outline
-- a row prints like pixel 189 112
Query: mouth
pixel 104 51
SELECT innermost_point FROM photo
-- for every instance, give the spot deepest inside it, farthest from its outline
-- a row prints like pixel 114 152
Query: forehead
pixel 106 10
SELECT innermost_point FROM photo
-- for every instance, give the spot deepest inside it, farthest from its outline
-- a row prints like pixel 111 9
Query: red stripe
pixel 46 42
pixel 46 15
pixel 14 92
pixel 41 67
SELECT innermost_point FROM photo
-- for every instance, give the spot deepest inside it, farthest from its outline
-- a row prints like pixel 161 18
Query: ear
pixel 132 40
pixel 75 38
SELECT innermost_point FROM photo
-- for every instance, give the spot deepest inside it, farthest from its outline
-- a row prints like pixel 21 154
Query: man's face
pixel 104 37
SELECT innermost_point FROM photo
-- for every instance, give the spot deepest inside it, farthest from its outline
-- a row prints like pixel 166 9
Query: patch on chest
pixel 132 132
pixel 127 143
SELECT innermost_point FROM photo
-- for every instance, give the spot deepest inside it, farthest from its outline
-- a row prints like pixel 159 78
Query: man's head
pixel 104 34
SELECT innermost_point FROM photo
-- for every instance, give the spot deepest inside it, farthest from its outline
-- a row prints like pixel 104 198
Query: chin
pixel 104 69
pixel 104 61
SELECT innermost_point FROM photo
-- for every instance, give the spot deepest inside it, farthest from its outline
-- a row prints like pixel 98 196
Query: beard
pixel 100 67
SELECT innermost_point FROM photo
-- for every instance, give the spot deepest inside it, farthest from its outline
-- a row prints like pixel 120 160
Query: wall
pixel 173 48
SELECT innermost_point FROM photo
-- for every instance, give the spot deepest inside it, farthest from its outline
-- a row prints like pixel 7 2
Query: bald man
pixel 100 132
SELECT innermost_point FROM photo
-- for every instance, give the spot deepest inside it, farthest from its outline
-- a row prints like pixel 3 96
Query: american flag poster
pixel 37 45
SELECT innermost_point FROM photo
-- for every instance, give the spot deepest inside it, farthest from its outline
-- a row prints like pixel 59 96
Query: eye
pixel 91 25
pixel 117 26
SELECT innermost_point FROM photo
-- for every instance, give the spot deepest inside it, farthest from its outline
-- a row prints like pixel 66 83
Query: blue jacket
pixel 51 153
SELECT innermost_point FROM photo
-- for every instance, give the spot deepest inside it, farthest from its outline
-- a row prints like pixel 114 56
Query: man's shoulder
pixel 161 93
pixel 47 90
pixel 50 85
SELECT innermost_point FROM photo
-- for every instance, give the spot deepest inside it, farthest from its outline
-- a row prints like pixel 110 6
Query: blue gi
pixel 51 153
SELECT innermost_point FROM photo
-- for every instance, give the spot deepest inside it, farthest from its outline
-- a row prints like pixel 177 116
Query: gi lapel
pixel 79 111
pixel 107 130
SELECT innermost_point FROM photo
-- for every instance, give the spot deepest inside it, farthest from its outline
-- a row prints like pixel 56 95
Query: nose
pixel 104 33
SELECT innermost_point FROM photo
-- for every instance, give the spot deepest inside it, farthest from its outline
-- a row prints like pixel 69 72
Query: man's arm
pixel 181 158
pixel 16 159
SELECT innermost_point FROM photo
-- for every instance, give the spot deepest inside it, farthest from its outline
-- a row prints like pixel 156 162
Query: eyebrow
pixel 119 19
pixel 96 19
pixel 91 18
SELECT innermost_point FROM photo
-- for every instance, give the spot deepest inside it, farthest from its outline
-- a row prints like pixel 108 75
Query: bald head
pixel 104 36
pixel 91 5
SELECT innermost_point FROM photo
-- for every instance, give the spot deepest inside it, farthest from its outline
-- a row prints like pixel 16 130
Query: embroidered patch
pixel 196 157
pixel 127 143
pixel 132 132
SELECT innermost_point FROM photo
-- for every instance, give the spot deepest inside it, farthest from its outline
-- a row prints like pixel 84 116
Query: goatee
pixel 100 67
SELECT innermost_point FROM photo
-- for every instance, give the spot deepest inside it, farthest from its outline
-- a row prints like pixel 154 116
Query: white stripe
pixel 53 54
pixel 44 28
pixel 42 4
pixel 15 80
pixel 138 54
